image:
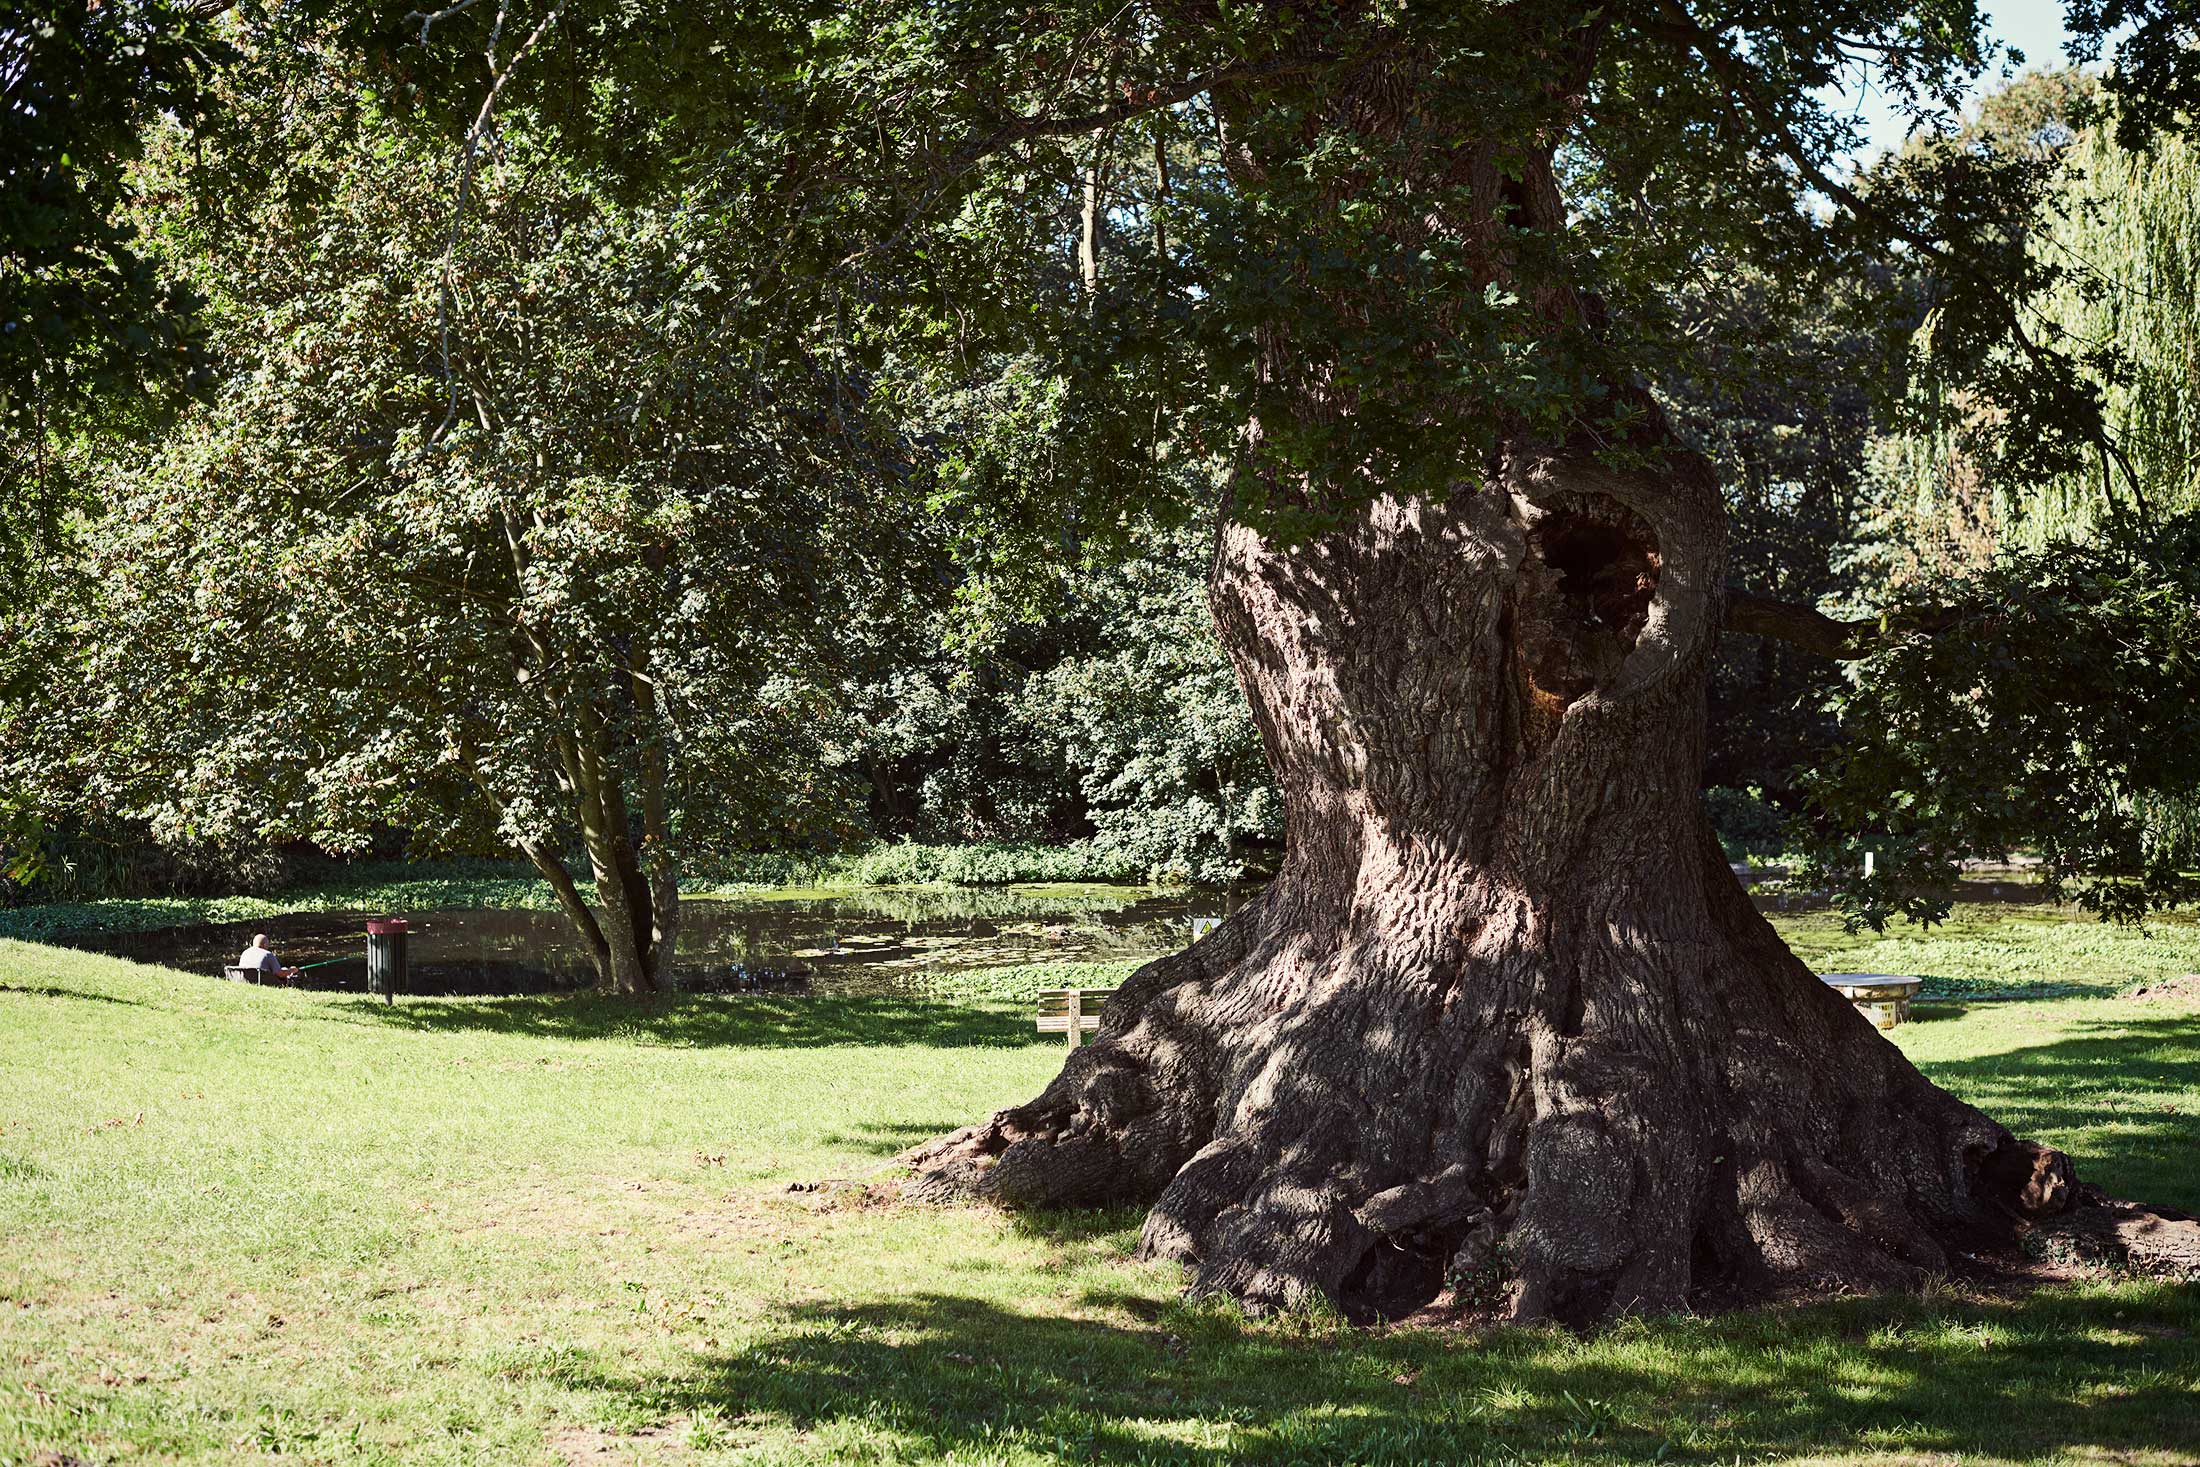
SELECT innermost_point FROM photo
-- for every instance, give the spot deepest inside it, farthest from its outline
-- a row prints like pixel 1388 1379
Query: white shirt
pixel 261 958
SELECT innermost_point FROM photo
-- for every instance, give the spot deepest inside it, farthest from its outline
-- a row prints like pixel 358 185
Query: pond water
pixel 1994 885
pixel 854 941
pixel 872 940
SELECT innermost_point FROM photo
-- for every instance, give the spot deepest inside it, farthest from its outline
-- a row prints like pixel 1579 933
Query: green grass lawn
pixel 244 1222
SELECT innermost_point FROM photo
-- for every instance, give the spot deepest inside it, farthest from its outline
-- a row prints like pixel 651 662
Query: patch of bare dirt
pixel 614 1207
pixel 2186 986
pixel 587 1446
pixel 838 1194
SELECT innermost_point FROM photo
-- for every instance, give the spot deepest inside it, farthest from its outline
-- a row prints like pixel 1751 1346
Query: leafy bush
pixel 145 914
pixel 75 860
pixel 911 863
pixel 989 863
pixel 1746 822
pixel 392 886
pixel 1022 983
pixel 1152 724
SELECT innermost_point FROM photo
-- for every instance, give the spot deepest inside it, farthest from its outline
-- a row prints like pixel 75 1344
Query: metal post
pixel 386 957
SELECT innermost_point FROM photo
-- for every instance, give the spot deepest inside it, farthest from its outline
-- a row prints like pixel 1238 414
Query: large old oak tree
pixel 1396 284
pixel 1506 1022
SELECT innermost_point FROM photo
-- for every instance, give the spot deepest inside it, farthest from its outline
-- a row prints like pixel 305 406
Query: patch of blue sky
pixel 2033 27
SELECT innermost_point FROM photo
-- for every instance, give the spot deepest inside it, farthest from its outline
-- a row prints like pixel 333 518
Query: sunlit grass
pixel 1986 949
pixel 245 1221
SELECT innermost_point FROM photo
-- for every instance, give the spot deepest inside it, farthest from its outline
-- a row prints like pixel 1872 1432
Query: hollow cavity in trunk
pixel 1505 1029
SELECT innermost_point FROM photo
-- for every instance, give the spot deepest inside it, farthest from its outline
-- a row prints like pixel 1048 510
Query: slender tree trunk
pixel 1505 1023
pixel 548 863
pixel 1088 235
pixel 621 896
pixel 659 861
pixel 573 905
pixel 627 861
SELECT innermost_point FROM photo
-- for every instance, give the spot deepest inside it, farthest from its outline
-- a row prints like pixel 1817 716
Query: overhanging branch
pixel 1139 100
pixel 1812 630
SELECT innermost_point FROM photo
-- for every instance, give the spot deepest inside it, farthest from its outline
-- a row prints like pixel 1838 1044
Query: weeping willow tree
pixel 2125 226
pixel 1950 499
pixel 2134 222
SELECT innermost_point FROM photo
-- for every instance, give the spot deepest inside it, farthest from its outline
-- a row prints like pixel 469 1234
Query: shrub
pixel 1022 983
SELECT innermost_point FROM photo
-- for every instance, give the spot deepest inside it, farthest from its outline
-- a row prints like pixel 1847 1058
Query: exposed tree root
pixel 1506 1030
pixel 1312 1146
pixel 2111 1233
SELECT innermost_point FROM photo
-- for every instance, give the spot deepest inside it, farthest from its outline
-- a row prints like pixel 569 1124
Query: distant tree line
pixel 488 615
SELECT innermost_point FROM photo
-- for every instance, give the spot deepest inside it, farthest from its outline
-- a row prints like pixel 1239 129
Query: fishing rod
pixel 322 964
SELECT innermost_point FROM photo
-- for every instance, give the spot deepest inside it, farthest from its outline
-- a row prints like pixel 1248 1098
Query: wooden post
pixel 1076 1017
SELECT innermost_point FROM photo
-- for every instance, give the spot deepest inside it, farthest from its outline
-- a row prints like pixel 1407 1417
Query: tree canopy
pixel 505 528
pixel 1058 268
pixel 91 334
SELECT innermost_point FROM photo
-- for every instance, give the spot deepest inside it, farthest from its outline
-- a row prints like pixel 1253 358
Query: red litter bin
pixel 386 957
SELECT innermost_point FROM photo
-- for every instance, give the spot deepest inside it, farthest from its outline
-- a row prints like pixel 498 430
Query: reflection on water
pixel 854 941
pixel 868 940
pixel 1771 894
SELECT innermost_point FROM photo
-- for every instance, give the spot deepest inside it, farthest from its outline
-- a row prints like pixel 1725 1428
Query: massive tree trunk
pixel 1505 1026
pixel 1505 1022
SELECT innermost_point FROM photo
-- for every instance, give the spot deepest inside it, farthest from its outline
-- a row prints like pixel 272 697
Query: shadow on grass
pixel 890 1138
pixel 1932 1010
pixel 69 993
pixel 758 1020
pixel 2120 1087
pixel 1957 991
pixel 934 1376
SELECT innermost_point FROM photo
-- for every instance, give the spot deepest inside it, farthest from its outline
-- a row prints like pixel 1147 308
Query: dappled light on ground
pixel 931 1376
pixel 245 1221
pixel 742 1019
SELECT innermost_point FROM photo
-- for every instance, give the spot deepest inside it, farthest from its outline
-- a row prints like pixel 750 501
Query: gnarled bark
pixel 1505 1023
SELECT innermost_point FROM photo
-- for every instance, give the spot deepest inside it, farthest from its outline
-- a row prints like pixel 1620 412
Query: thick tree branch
pixel 1814 631
pixel 1798 625
pixel 1138 101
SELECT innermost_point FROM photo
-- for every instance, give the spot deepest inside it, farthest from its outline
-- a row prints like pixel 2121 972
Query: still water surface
pixel 830 941
pixel 856 941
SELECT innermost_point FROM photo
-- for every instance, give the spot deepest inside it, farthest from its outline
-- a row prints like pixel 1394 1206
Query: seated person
pixel 260 958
